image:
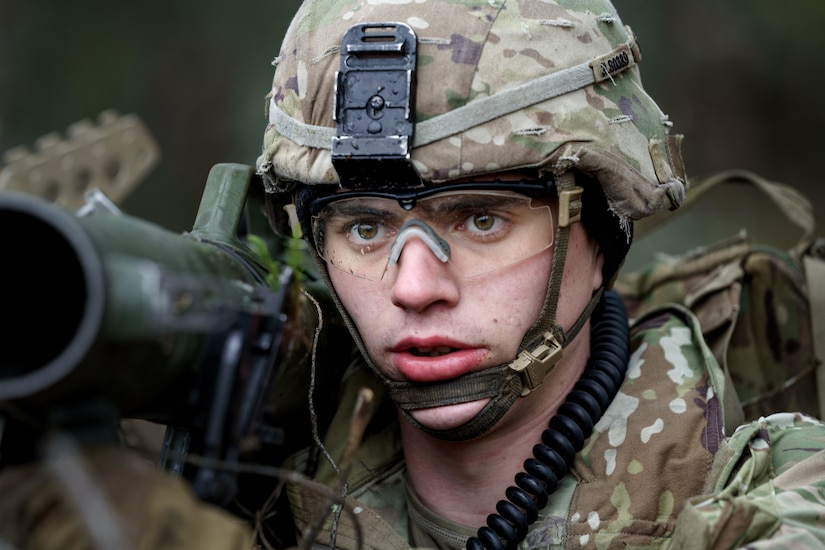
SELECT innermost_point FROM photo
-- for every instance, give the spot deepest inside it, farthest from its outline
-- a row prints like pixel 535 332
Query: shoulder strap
pixel 790 202
pixel 815 277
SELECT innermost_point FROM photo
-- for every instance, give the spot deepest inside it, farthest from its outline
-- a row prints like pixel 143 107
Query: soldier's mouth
pixel 431 351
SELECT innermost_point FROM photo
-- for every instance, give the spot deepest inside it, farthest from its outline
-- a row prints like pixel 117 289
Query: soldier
pixel 466 175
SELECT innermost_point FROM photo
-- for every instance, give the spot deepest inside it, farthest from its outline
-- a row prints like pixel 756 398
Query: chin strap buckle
pixel 533 366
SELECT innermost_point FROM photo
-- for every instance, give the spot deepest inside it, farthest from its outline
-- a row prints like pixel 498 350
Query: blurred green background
pixel 742 79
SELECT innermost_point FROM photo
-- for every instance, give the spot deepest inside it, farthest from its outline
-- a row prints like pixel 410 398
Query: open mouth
pixel 431 351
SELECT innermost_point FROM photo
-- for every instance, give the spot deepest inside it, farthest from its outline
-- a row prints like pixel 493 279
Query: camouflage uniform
pixel 664 467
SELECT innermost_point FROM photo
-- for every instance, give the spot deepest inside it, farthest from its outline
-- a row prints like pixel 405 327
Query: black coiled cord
pixel 567 431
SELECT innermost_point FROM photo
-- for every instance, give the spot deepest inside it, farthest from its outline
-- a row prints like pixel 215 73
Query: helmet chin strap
pixel 539 353
pixel 502 385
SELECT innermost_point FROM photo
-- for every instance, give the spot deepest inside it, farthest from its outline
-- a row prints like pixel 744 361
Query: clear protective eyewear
pixel 475 231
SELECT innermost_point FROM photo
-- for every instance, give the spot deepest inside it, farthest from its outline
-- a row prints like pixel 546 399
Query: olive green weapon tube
pixel 101 304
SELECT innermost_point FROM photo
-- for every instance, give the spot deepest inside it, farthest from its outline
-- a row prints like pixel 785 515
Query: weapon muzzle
pixel 52 280
pixel 102 304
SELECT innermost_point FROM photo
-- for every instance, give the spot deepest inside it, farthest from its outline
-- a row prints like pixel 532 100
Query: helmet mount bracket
pixel 375 107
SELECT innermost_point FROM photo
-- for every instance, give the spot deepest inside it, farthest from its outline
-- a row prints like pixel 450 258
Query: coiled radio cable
pixel 572 424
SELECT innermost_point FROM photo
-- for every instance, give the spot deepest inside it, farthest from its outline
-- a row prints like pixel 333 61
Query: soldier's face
pixel 425 322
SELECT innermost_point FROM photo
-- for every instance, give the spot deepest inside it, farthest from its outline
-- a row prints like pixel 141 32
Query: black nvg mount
pixel 374 107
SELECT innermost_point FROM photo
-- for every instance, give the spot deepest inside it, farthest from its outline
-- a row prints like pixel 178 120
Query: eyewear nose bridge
pixel 418 228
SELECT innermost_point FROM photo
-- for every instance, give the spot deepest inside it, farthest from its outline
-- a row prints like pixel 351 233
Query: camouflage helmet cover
pixel 524 61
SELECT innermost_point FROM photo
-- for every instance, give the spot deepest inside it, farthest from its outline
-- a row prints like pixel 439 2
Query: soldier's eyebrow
pixel 350 210
pixel 474 202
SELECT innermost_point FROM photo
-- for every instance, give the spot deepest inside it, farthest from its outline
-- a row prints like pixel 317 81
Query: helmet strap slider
pixel 570 205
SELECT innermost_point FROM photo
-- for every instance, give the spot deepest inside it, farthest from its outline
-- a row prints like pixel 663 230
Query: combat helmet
pixel 551 88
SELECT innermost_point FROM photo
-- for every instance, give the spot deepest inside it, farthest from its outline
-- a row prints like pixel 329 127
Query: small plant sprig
pixel 295 252
pixel 292 257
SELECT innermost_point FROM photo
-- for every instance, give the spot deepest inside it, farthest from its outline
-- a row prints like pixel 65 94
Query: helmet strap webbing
pixel 502 384
pixel 570 207
pixel 507 393
pixel 484 384
pixel 542 346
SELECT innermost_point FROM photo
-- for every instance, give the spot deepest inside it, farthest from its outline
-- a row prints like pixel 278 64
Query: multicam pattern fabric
pixel 469 50
pixel 769 490
pixel 657 471
pixel 752 303
pixel 109 497
pixel 654 447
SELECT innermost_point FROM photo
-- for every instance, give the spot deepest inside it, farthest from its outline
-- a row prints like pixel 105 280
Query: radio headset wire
pixel 573 423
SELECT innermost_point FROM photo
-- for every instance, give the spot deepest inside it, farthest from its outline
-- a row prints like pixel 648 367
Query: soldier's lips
pixel 435 360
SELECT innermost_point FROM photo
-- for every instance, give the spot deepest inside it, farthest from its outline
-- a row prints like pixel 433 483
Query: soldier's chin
pixel 449 416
